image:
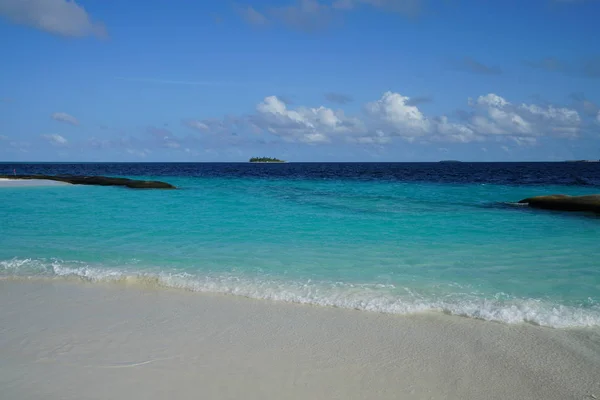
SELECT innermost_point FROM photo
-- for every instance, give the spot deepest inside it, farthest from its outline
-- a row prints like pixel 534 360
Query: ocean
pixel 380 237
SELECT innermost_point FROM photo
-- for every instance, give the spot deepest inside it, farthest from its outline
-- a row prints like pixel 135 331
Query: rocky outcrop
pixel 590 203
pixel 97 180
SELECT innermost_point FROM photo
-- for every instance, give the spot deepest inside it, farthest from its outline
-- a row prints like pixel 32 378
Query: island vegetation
pixel 265 160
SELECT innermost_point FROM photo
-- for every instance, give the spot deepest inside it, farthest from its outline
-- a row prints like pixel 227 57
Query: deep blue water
pixel 569 174
pixel 384 237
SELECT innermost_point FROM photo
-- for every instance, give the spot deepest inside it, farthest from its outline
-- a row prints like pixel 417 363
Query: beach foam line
pixel 364 297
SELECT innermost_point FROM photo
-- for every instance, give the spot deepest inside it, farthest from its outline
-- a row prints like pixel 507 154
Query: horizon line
pixel 300 162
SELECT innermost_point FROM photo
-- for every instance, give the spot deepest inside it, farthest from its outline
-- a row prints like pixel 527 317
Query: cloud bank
pixel 393 117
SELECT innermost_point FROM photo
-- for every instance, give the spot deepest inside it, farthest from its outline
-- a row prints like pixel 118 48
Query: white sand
pixel 4 182
pixel 81 341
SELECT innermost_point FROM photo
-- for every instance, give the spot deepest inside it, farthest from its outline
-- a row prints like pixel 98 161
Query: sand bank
pixel 30 182
pixel 79 341
pixel 93 180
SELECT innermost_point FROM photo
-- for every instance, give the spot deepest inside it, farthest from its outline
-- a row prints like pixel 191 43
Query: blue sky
pixel 341 80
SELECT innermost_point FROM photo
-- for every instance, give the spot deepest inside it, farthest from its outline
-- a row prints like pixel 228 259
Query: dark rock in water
pixel 98 181
pixel 565 203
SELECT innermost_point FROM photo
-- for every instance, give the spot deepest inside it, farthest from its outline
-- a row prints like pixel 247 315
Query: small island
pixel 265 160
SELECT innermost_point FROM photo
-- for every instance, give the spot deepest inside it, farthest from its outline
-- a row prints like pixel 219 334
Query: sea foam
pixel 379 298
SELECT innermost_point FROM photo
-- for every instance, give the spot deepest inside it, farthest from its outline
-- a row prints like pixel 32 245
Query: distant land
pixel 265 160
pixel 582 161
pixel 450 161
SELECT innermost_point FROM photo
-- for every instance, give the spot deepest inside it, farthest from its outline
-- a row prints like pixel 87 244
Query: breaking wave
pixel 367 297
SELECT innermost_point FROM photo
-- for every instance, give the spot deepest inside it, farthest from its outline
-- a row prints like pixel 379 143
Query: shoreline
pixel 7 182
pixel 94 180
pixel 521 311
pixel 554 316
pixel 66 340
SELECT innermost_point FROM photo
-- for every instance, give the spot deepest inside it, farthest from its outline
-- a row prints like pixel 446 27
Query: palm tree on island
pixel 265 160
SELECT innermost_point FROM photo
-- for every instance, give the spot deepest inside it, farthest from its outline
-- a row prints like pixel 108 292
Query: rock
pixel 98 181
pixel 565 203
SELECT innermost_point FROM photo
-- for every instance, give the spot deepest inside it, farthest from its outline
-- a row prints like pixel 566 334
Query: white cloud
pixel 454 132
pixel 398 116
pixel 197 125
pixel 552 113
pixel 562 121
pixel 491 100
pixel 3 137
pixel 64 117
pixel 309 125
pixel 56 140
pixel 59 17
pixel 394 116
pixel 500 117
pixel 598 117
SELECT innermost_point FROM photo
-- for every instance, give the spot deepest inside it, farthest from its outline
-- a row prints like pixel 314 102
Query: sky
pixel 301 80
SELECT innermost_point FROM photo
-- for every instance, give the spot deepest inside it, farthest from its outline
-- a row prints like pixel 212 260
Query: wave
pixel 366 297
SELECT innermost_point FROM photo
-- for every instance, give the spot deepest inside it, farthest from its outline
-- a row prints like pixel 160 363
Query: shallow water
pixel 394 238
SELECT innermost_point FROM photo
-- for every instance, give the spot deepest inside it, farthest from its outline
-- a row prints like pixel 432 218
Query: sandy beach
pixel 28 182
pixel 66 340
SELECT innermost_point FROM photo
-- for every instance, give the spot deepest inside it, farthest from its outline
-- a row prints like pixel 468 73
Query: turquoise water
pixel 385 246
